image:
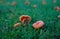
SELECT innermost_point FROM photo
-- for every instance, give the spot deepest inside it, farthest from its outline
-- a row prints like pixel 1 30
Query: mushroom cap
pixel 25 17
pixel 54 1
pixel 27 2
pixel 17 24
pixel 57 8
pixel 44 2
pixel 13 3
pixel 34 5
pixel 38 24
pixel 58 16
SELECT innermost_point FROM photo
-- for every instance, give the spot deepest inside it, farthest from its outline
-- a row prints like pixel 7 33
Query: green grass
pixel 9 15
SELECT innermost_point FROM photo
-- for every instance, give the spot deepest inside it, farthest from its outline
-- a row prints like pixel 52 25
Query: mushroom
pixel 17 24
pixel 54 1
pixel 27 2
pixel 44 2
pixel 38 24
pixel 58 16
pixel 34 5
pixel 13 3
pixel 25 19
pixel 57 8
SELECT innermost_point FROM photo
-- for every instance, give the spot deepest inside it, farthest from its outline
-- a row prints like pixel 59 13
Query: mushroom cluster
pixel 24 19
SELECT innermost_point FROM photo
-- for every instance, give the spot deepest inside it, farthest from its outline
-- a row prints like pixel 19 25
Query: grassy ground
pixel 9 15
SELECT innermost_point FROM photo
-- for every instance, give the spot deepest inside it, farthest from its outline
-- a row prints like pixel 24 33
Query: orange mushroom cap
pixel 57 8
pixel 35 6
pixel 17 24
pixel 13 3
pixel 25 17
pixel 38 24
pixel 27 2
pixel 44 2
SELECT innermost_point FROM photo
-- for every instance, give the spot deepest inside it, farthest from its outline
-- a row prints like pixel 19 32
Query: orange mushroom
pixel 13 3
pixel 38 24
pixel 17 24
pixel 57 8
pixel 27 2
pixel 24 19
pixel 34 5
pixel 44 2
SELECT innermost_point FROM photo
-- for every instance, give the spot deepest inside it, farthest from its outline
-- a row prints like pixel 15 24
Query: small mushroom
pixel 13 3
pixel 35 6
pixel 58 16
pixel 54 1
pixel 27 2
pixel 57 8
pixel 25 19
pixel 44 2
pixel 38 24
pixel 17 24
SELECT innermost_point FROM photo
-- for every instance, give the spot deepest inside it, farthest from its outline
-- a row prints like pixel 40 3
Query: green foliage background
pixel 9 15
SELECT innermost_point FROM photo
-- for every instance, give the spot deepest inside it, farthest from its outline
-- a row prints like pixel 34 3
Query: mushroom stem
pixel 25 22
